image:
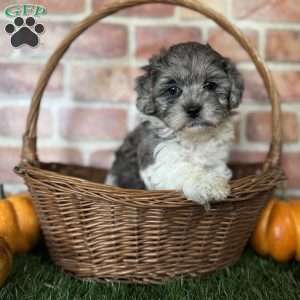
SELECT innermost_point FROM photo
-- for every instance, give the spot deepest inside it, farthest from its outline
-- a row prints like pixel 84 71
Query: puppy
pixel 186 97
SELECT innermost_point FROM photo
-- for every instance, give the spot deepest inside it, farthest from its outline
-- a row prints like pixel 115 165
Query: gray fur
pixel 206 88
pixel 135 153
pixel 125 169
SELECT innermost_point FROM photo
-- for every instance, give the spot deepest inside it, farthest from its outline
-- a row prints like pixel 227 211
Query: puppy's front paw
pixel 206 189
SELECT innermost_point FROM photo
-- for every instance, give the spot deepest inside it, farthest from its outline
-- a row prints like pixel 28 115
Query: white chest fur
pixel 190 155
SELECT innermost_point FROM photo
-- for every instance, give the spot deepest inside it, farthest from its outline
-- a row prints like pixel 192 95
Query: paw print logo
pixel 24 32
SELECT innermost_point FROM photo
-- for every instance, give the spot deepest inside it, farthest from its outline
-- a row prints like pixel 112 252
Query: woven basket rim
pixel 260 183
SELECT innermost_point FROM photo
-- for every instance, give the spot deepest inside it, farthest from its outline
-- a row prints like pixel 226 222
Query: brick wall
pixel 89 103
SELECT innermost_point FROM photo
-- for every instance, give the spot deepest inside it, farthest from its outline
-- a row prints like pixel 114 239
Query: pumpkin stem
pixel 2 194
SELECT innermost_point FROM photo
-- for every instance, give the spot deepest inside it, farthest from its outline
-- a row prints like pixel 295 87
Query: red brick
pixel 291 163
pixel 247 157
pixel 288 85
pixel 9 158
pixel 5 3
pixel 146 10
pixel 64 7
pixel 21 79
pixel 150 40
pixel 90 123
pixel 103 84
pixel 259 127
pixel 101 40
pixel 269 10
pixel 13 119
pixel 254 87
pixel 283 45
pixel 63 155
pixel 102 158
pixel 224 43
pixel 218 5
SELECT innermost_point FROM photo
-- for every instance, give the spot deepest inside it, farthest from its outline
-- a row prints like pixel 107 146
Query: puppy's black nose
pixel 193 111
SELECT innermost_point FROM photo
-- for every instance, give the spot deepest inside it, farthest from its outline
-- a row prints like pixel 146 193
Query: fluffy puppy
pixel 186 97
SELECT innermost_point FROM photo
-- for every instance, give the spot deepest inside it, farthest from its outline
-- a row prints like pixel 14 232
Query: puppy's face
pixel 189 86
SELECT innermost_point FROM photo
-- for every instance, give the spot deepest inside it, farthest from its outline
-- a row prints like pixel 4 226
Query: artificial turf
pixel 35 277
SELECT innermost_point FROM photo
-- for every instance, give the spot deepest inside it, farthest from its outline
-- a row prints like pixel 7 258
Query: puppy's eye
pixel 174 91
pixel 210 85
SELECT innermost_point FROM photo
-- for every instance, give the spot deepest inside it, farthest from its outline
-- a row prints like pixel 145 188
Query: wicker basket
pixel 107 233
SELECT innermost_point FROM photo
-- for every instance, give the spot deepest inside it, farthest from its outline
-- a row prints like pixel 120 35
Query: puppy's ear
pixel 237 84
pixel 145 83
pixel 144 88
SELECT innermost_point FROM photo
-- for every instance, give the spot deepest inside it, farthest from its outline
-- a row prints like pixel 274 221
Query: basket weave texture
pixel 107 233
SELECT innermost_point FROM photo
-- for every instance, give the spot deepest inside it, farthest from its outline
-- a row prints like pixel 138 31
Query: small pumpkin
pixel 19 225
pixel 6 260
pixel 277 232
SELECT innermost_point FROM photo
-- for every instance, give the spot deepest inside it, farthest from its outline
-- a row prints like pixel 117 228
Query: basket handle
pixel 29 150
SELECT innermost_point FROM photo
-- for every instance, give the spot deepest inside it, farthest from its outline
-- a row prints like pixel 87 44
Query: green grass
pixel 35 277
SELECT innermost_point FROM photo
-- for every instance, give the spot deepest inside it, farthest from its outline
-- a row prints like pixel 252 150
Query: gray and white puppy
pixel 186 96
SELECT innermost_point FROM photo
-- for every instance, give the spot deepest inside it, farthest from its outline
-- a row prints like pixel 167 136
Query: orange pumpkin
pixel 19 224
pixel 277 232
pixel 5 261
